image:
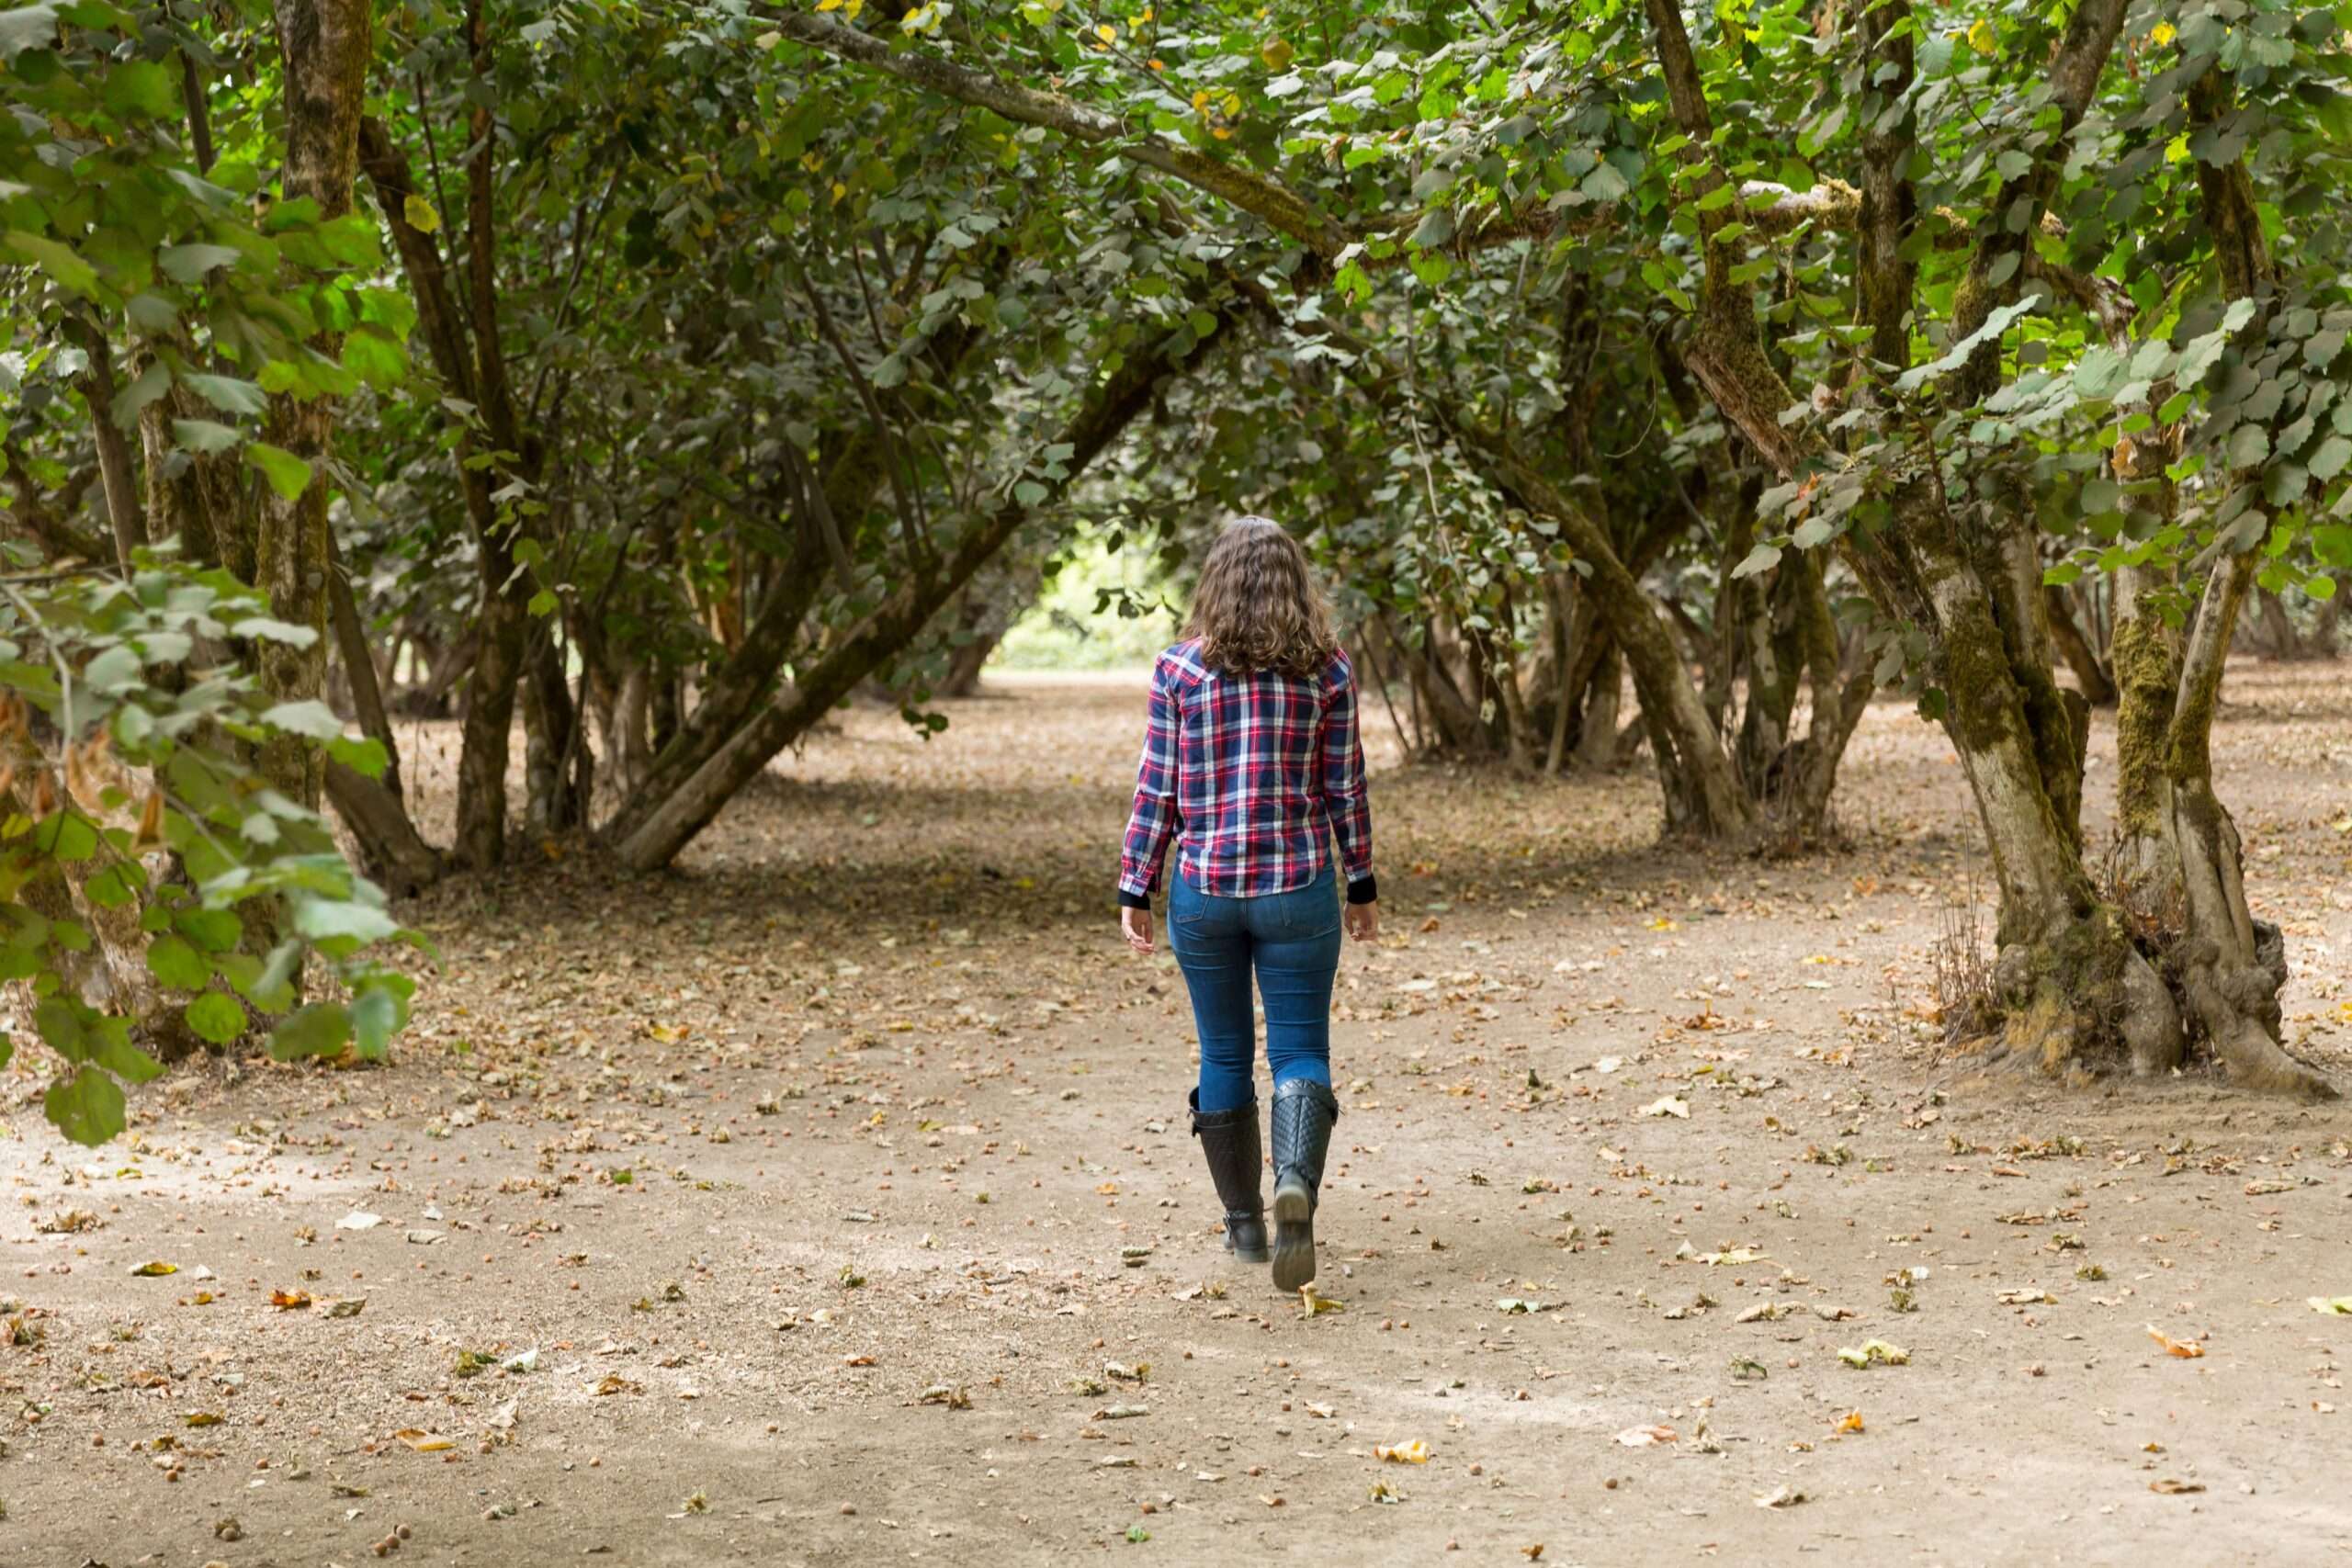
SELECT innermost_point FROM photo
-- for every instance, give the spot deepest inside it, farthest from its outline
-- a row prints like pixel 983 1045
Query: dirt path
pixel 689 1190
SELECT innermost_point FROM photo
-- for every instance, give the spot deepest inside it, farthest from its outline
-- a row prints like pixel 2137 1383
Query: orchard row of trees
pixel 635 384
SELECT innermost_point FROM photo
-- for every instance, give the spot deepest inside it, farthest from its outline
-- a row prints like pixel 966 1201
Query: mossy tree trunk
pixel 2180 851
pixel 1965 579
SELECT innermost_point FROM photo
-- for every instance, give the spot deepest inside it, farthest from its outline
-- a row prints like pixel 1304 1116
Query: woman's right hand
pixel 1363 920
pixel 1135 926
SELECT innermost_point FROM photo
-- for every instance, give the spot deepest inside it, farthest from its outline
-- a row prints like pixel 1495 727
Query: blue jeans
pixel 1292 940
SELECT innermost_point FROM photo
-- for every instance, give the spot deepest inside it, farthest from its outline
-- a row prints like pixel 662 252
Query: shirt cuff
pixel 1131 900
pixel 1363 889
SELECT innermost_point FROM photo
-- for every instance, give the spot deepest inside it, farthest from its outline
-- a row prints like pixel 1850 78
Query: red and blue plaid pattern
pixel 1250 774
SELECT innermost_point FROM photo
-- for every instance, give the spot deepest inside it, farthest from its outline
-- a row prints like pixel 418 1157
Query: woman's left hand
pixel 1135 926
pixel 1362 922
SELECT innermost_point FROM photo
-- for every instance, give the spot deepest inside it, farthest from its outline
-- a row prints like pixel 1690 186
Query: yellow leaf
pixel 853 8
pixel 1981 38
pixel 1413 1452
pixel 1232 105
pixel 2161 34
pixel 1276 53
pixel 1107 33
pixel 2187 1350
pixel 2334 1306
pixel 158 1268
pixel 422 215
pixel 1852 1423
pixel 829 5
pixel 424 1442
pixel 1315 1303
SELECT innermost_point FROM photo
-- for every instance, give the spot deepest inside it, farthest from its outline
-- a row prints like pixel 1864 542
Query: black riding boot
pixel 1304 1112
pixel 1229 1140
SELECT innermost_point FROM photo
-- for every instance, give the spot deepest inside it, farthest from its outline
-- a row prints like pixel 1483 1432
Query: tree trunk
pixel 1604 702
pixel 325 46
pixel 965 665
pixel 360 673
pixel 122 486
pixel 2091 677
pixel 689 806
pixel 1703 797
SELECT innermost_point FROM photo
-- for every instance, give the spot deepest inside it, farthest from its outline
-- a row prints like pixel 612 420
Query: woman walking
pixel 1252 764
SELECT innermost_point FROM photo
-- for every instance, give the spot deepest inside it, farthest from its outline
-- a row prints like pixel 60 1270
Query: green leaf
pixel 2283 483
pixel 214 930
pixel 26 27
pixel 308 717
pixel 59 261
pixel 117 885
pixel 361 754
pixel 420 214
pixel 2014 164
pixel 228 394
pixel 2248 445
pixel 272 986
pixel 1763 558
pixel 321 1029
pixel 275 630
pixel 288 475
pixel 188 263
pixel 111 1049
pixel 203 435
pixel 2099 372
pixel 375 359
pixel 1435 229
pixel 376 1014
pixel 216 1016
pixel 1605 182
pixel 66 836
pixel 322 919
pixel 86 1107
pixel 142 87
pixel 2330 458
pixel 59 1019
pixel 2320 587
pixel 171 960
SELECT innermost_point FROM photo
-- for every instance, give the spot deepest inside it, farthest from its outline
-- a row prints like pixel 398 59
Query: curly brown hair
pixel 1257 606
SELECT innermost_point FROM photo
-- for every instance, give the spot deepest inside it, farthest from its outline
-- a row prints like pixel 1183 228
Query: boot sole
pixel 1294 1237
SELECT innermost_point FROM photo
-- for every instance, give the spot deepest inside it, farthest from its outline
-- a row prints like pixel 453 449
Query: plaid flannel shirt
pixel 1251 775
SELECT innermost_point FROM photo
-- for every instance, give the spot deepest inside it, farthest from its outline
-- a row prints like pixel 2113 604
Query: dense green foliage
pixel 656 378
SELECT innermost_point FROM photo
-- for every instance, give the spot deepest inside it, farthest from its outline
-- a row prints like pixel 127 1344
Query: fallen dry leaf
pixel 288 1301
pixel 2187 1350
pixel 155 1269
pixel 424 1442
pixel 2172 1488
pixel 1414 1451
pixel 1644 1436
pixel 1315 1303
pixel 1667 1106
pixel 2335 1306
pixel 1852 1423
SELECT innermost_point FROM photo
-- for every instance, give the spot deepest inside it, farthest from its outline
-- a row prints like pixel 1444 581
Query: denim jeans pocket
pixel 1306 912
